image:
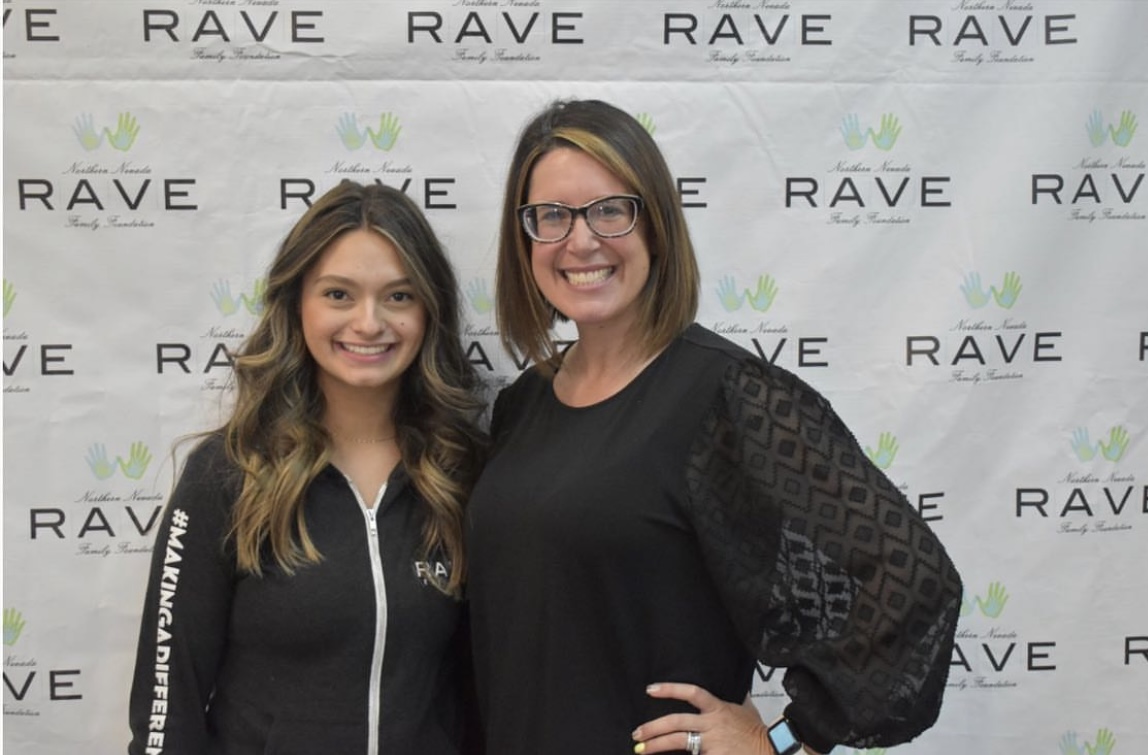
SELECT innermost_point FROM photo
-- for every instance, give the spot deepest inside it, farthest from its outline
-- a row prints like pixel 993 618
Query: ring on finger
pixel 694 742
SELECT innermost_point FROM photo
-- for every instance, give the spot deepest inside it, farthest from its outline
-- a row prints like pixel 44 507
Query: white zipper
pixel 375 686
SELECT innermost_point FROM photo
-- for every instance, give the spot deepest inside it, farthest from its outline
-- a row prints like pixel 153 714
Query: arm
pixel 824 566
pixel 183 628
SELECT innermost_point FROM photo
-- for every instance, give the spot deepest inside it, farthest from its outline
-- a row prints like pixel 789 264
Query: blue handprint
pixel 479 299
pixel 1117 444
pixel 976 296
pixel 86 132
pixel 1010 291
pixel 137 462
pixel 1122 136
pixel 126 131
pixel 349 133
pixel 97 459
pixel 766 292
pixel 727 293
pixel 1095 128
pixel 887 136
pixel 1068 745
pixel 851 132
pixel 221 295
pixel 388 133
pixel 1082 445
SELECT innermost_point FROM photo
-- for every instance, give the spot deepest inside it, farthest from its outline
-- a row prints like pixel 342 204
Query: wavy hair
pixel 669 300
pixel 275 433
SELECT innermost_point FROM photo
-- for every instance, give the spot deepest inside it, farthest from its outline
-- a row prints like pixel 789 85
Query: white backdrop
pixel 934 212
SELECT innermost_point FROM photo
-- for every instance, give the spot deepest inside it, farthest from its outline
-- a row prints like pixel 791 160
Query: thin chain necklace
pixel 362 441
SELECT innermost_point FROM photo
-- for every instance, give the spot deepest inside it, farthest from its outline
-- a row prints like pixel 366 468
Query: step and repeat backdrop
pixel 934 212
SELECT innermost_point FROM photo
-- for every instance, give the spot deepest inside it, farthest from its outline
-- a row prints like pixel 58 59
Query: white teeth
pixel 367 350
pixel 585 279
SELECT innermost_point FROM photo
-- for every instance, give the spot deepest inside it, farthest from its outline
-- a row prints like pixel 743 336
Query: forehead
pixel 359 253
pixel 571 176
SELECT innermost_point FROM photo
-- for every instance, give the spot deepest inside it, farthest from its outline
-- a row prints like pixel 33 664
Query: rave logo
pixel 883 139
pixel 245 36
pixel 1011 36
pixel 1104 745
pixel 991 605
pixel 1121 133
pixel 1112 448
pixel 91 138
pixel 743 38
pixel 228 305
pixel 883 455
pixel 133 467
pixel 482 36
pixel 383 138
pixel 1005 297
pixel 991 658
pixel 25 682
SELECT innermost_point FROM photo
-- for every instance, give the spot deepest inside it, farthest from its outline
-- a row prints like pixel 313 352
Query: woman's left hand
pixel 725 728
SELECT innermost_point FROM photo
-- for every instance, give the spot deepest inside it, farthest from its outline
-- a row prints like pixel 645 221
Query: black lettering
pixel 731 34
pixel 1135 646
pixel 220 357
pixel 84 188
pixel 1081 503
pixel 1040 344
pixel 298 26
pixel 24 187
pixel 852 195
pixel 429 192
pixel 892 201
pixel 922 506
pixel 170 193
pixel 216 30
pixel 138 198
pixel 1033 656
pixel 805 349
pixel 1020 32
pixel 432 29
pixel 11 368
pixel 911 350
pixel 259 34
pixel 1120 188
pixel 520 38
pixel 682 192
pixel 1034 497
pixel 992 658
pixel 46 359
pixel 30 24
pixel 557 26
pixel 56 683
pixel 808 29
pixel 975 32
pixel 1039 178
pixel 476 355
pixel 474 19
pixel 927 191
pixel 1087 188
pixel 162 357
pixel 668 26
pixel 19 694
pixel 1050 29
pixel 96 521
pixel 932 31
pixel 141 528
pixel 38 523
pixel 791 190
pixel 153 21
pixel 285 192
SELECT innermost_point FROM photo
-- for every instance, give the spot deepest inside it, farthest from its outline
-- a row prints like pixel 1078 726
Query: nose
pixel 581 239
pixel 369 319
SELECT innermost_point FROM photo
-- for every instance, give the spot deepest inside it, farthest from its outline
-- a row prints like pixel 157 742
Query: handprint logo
pixel 229 305
pixel 883 139
pixel 9 296
pixel 885 452
pixel 992 605
pixel 1005 297
pixel 1105 741
pixel 134 467
pixel 760 299
pixel 384 138
pixel 13 626
pixel 479 299
pixel 122 139
pixel 1111 449
pixel 647 122
pixel 1121 134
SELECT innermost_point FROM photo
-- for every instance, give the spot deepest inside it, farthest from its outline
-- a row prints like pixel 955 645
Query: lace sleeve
pixel 824 566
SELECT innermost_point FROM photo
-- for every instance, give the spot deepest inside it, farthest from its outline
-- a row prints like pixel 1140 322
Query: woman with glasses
pixel 663 510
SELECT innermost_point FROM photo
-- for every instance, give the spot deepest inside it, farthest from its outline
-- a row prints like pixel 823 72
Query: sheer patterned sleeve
pixel 824 566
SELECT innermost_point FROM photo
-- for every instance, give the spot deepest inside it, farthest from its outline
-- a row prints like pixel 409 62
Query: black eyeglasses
pixel 609 217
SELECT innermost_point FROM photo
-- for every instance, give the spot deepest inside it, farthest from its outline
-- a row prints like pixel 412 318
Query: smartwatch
pixel 782 739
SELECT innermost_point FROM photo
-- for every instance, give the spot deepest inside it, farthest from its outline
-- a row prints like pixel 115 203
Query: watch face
pixel 782 738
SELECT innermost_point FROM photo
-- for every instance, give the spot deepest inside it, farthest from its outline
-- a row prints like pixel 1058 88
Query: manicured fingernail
pixel 653 688
pixel 636 733
pixel 640 748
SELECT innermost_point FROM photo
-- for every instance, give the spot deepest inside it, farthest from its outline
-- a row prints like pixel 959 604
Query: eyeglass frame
pixel 583 212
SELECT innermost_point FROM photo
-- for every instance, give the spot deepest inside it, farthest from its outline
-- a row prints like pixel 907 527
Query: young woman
pixel 662 509
pixel 304 592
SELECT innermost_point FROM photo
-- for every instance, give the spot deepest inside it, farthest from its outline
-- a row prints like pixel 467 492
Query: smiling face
pixel 594 281
pixel 362 321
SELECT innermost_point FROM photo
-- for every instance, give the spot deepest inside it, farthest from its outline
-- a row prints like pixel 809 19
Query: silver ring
pixel 694 742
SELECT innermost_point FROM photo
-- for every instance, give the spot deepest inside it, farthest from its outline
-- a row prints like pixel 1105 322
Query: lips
pixel 588 277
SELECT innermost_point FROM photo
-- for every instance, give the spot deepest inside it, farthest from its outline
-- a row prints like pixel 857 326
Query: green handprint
pixel 1010 291
pixel 1082 445
pixel 1105 741
pixel 126 131
pixel 254 303
pixel 388 133
pixel 851 132
pixel 349 133
pixel 224 302
pixel 647 122
pixel 479 299
pixel 766 293
pixel 1117 444
pixel 137 461
pixel 1095 128
pixel 13 625
pixel 994 604
pixel 97 459
pixel 9 296
pixel 974 294
pixel 886 451
pixel 887 136
pixel 86 133
pixel 1123 135
pixel 873 751
pixel 1068 745
pixel 727 294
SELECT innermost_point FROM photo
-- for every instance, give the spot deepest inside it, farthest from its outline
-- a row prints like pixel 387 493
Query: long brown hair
pixel 617 140
pixel 275 433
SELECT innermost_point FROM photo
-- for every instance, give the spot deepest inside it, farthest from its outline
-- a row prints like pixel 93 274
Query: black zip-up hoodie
pixel 359 653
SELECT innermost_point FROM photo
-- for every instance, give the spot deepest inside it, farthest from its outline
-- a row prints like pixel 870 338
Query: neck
pixel 359 417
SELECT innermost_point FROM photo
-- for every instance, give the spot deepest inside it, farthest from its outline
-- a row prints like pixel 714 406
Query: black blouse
pixel 713 512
